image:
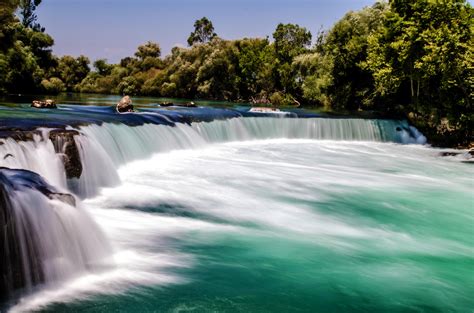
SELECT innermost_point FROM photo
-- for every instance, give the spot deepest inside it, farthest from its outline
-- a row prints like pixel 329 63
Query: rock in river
pixel 46 104
pixel 125 105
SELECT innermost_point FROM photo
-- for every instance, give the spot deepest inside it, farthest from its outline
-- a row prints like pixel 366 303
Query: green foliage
pixel 7 20
pixel 102 67
pixel 422 62
pixel 412 57
pixel 28 15
pixel 25 51
pixel 290 41
pixel 279 99
pixel 203 32
pixel 346 44
pixel 315 70
pixel 73 70
pixel 53 86
pixel 129 86
pixel 256 61
pixel 150 49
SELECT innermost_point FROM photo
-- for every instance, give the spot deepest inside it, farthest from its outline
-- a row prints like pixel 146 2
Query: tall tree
pixel 150 49
pixel 203 32
pixel 73 70
pixel 346 44
pixel 7 17
pixel 423 60
pixel 290 41
pixel 102 67
pixel 28 16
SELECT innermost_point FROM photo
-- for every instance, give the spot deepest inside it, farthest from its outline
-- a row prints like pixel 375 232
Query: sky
pixel 113 29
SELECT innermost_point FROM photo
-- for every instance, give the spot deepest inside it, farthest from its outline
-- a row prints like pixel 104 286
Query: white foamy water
pixel 276 189
pixel 155 191
pixel 104 148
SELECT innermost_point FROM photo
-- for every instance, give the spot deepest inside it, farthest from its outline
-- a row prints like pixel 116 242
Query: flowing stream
pixel 265 215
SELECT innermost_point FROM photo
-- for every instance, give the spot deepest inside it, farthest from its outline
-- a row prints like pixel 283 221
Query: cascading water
pixel 319 224
pixel 104 148
pixel 44 238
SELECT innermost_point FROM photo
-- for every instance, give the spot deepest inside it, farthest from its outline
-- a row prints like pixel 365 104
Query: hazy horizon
pixel 113 29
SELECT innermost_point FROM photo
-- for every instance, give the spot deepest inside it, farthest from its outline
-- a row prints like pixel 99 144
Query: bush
pixel 129 86
pixel 53 86
pixel 280 99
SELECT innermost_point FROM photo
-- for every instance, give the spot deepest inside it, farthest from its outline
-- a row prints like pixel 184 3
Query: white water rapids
pixel 157 190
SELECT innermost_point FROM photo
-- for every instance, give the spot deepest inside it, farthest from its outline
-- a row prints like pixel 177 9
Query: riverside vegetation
pixel 403 58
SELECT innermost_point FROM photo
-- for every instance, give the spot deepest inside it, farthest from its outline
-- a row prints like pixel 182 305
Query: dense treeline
pixel 404 57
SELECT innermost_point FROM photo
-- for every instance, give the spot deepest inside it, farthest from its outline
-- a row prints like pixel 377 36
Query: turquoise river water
pixel 268 223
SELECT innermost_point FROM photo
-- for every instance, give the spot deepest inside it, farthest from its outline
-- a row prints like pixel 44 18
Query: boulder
pixel 21 261
pixel 449 153
pixel 125 105
pixel 166 104
pixel 187 105
pixel 46 104
pixel 66 147
pixel 63 197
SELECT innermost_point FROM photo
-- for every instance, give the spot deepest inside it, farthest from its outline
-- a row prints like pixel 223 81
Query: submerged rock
pixel 125 105
pixel 187 104
pixel 463 156
pixel 64 145
pixel 46 104
pixel 43 241
pixel 63 197
pixel 166 104
pixel 19 249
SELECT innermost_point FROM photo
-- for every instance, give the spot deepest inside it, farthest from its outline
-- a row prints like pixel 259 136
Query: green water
pixel 283 226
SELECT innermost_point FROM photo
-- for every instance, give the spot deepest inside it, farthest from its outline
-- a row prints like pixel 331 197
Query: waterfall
pixel 44 238
pixel 102 149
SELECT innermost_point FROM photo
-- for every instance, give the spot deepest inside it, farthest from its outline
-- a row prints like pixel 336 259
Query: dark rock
pixel 63 197
pixel 166 104
pixel 12 274
pixel 65 145
pixel 449 153
pixel 16 179
pixel 187 105
pixel 46 104
pixel 125 105
pixel 19 135
pixel 20 254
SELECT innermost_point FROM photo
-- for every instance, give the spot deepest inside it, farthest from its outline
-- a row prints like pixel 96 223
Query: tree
pixel 73 70
pixel 150 49
pixel 290 41
pixel 7 18
pixel 102 67
pixel 28 15
pixel 203 32
pixel 315 70
pixel 346 45
pixel 422 62
pixel 255 66
pixel 148 57
pixel 217 75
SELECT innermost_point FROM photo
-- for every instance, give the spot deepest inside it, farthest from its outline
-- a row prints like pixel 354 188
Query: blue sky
pixel 113 29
